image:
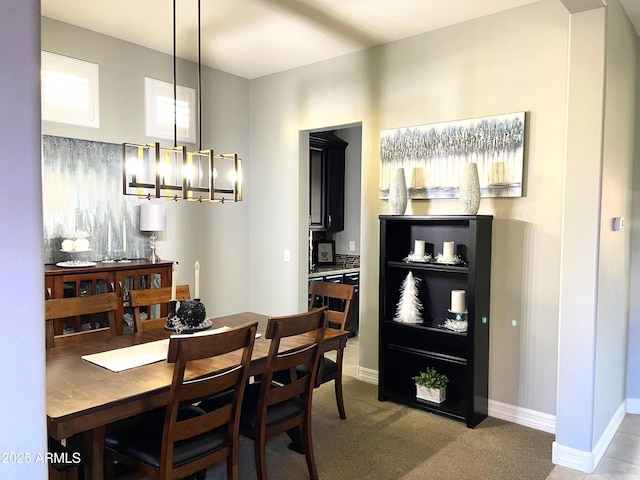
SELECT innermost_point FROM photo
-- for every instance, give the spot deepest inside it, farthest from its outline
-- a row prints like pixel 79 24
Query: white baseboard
pixel 573 458
pixel 367 375
pixel 588 461
pixel 523 416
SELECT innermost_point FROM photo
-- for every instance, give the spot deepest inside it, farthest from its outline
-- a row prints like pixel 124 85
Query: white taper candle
pixel 124 235
pixel 109 237
pixel 174 279
pixel 197 286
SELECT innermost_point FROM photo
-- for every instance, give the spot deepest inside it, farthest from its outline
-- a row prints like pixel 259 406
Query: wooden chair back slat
pixel 337 291
pixel 57 309
pixel 139 299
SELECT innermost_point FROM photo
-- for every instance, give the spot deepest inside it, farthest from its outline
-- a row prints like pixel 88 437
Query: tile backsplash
pixel 348 261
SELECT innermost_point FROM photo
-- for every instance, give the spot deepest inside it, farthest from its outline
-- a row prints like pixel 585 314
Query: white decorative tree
pixel 409 306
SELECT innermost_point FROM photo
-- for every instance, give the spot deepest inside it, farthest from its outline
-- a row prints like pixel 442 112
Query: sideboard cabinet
pixel 62 282
pixel 405 349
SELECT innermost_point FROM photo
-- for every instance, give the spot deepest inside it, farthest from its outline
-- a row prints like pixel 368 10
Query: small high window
pixel 160 114
pixel 70 90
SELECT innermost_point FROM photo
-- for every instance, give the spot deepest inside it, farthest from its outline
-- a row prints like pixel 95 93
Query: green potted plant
pixel 431 385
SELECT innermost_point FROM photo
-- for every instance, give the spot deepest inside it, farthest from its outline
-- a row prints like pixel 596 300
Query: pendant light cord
pixel 199 82
pixel 175 88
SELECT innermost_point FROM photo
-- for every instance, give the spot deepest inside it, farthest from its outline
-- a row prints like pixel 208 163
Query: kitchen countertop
pixel 332 270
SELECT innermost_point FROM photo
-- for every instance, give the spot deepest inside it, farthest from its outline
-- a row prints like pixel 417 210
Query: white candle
pixel 419 248
pixel 174 275
pixel 447 250
pixel 124 235
pixel 197 267
pixel 109 237
pixel 458 301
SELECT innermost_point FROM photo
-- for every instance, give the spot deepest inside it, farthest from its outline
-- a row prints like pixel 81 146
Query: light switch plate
pixel 618 224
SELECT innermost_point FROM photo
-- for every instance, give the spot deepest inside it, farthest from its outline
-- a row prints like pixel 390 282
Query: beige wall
pixel 513 61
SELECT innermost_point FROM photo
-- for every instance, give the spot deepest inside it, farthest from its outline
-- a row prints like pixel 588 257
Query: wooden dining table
pixel 83 398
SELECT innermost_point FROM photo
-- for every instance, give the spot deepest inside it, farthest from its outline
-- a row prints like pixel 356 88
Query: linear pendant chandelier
pixel 171 172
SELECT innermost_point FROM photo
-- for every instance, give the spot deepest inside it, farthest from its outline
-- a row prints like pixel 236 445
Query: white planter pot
pixel 436 395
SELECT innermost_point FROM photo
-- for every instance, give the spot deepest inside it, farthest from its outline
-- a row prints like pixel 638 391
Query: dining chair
pixel 184 439
pixel 147 298
pixel 58 309
pixel 270 409
pixel 338 298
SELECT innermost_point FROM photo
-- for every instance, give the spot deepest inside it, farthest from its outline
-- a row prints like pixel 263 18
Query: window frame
pixel 61 112
pixel 155 127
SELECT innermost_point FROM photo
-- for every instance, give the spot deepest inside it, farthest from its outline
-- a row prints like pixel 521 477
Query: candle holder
pixel 459 315
pixel 412 257
pixel 171 317
pixel 460 324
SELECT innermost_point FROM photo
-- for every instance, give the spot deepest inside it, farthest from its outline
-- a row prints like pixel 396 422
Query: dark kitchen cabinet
pixel 405 349
pixel 326 182
pixel 354 314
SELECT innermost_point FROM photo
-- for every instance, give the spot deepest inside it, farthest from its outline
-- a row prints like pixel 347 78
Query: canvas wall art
pixel 82 193
pixel 432 156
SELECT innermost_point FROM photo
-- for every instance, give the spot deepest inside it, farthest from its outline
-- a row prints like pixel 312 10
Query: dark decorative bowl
pixel 191 313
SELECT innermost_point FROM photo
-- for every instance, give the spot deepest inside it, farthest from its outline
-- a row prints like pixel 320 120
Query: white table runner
pixel 138 355
pixel 130 357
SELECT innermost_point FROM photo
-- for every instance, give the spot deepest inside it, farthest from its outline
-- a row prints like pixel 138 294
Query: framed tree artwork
pixel 433 156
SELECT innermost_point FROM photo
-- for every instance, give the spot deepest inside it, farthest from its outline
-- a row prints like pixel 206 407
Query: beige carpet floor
pixel 387 441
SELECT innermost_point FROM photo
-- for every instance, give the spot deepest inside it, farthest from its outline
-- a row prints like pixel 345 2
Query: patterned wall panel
pixel 82 193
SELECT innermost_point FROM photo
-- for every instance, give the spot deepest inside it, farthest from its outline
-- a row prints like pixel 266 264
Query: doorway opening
pixel 333 227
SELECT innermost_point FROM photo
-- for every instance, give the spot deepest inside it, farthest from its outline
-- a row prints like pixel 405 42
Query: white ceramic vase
pixel 469 189
pixel 397 192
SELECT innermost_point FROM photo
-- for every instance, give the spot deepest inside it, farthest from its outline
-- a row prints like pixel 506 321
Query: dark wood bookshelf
pixel 405 349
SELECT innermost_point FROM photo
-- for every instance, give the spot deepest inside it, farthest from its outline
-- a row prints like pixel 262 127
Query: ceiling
pixel 253 38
